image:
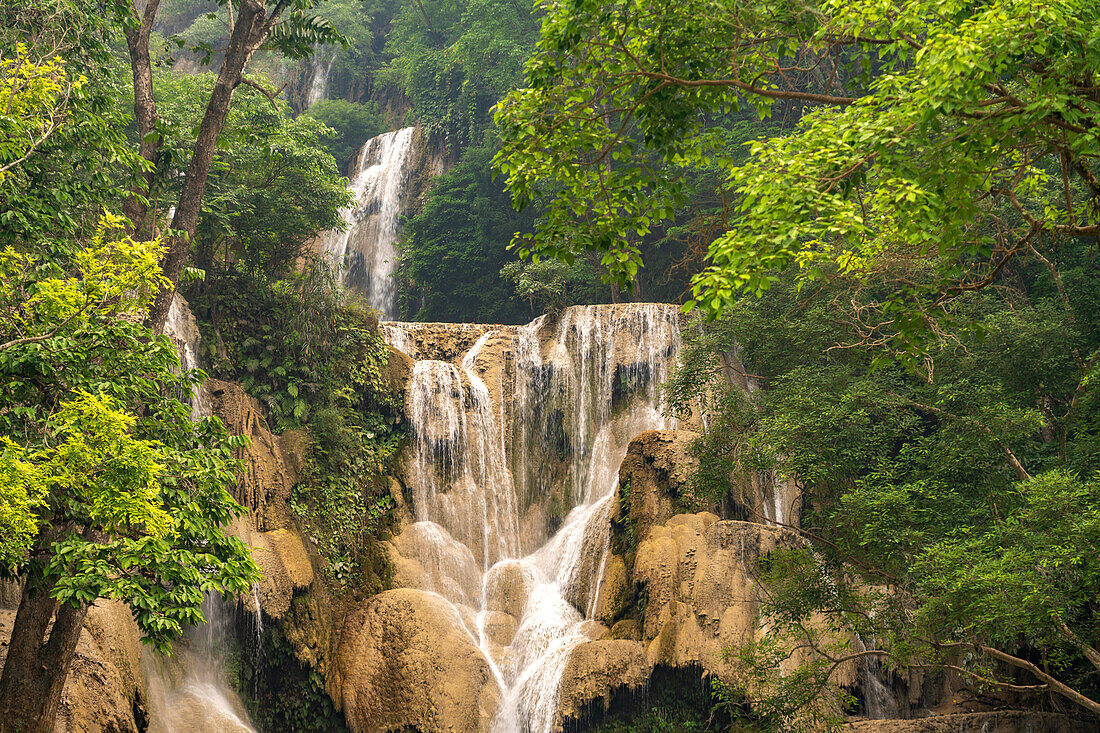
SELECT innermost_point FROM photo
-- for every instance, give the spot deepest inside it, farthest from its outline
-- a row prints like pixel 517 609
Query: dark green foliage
pixel 351 124
pixel 674 701
pixel 272 186
pixel 968 487
pixel 314 357
pixel 454 60
pixel 455 247
pixel 281 693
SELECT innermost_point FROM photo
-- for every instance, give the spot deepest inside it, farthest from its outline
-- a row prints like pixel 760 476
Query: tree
pixel 950 522
pixel 464 226
pixel 282 24
pixel 111 491
pixel 271 189
pixel 454 60
pixel 936 146
pixel 352 125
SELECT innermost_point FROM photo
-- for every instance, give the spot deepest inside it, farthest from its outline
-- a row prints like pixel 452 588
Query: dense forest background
pixel 897 250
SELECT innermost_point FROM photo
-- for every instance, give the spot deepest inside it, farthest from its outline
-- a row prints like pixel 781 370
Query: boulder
pixel 596 669
pixel 405 661
pixel 653 478
pixel 284 561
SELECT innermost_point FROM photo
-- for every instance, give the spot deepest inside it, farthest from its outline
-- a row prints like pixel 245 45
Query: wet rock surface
pixel 405 661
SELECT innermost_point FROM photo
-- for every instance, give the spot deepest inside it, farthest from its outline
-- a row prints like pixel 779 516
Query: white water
pixel 318 80
pixel 482 464
pixel 365 253
pixel 190 692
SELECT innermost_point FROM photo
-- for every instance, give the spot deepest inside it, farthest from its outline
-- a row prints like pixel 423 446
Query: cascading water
pixel 191 693
pixel 318 79
pixel 524 436
pixel 365 253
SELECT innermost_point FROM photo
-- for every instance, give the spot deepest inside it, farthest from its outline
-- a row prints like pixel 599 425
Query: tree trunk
pixel 250 30
pixel 37 665
pixel 145 114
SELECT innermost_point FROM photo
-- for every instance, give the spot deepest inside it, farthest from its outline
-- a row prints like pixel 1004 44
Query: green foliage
pixel 968 490
pixel 62 135
pixel 108 488
pixel 351 125
pixel 272 186
pixel 454 60
pixel 313 355
pixel 946 146
pixel 464 227
pixel 284 694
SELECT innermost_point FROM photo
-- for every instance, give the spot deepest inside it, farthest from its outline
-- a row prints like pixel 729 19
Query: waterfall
pixel 365 253
pixel 513 469
pixel 191 692
pixel 318 79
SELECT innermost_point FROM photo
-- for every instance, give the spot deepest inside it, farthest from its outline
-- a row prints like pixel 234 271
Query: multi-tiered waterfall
pixel 518 436
pixel 364 253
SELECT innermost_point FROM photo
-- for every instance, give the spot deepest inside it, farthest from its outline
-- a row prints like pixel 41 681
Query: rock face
pixel 406 662
pixel 273 464
pixel 104 692
pixel 653 477
pixel 264 488
pixel 694 572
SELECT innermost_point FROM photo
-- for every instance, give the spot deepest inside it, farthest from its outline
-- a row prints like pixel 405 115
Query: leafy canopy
pixel 107 487
pixel 938 142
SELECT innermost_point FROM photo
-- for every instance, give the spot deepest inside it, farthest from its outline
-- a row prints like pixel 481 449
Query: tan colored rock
pixel 500 627
pixel 507 585
pixel 396 372
pixel 405 662
pixel 596 669
pixel 284 561
pixel 295 446
pixel 264 488
pixel 615 593
pixel 104 688
pixel 447 566
pixel 653 477
pixel 628 628
pixel 701 596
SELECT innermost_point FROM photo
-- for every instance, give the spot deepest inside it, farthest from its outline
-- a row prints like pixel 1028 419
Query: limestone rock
pixel 507 586
pixel 284 564
pixel 653 477
pixel 696 571
pixel 425 556
pixel 265 486
pixel 500 627
pixel 295 446
pixel 597 668
pixel 104 691
pixel 615 593
pixel 405 662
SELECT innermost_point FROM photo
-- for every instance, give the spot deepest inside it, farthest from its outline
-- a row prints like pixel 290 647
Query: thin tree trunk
pixel 250 30
pixel 145 114
pixel 36 665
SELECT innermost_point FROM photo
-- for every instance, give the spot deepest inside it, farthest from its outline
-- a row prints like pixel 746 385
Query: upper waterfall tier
pixel 365 253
